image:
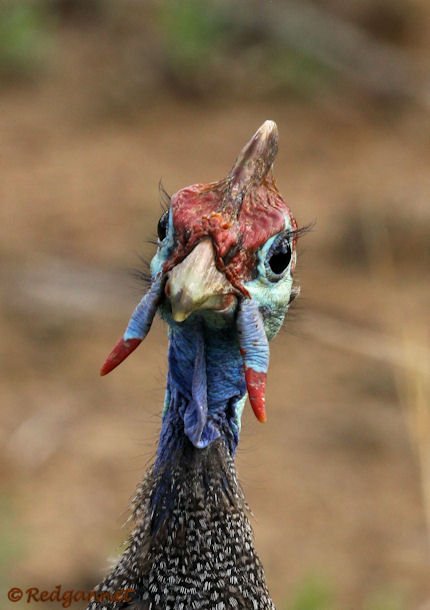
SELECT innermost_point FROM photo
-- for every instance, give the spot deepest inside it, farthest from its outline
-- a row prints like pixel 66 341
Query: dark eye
pixel 278 258
pixel 162 226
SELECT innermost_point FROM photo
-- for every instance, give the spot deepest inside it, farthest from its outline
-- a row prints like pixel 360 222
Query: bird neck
pixel 193 545
pixel 206 387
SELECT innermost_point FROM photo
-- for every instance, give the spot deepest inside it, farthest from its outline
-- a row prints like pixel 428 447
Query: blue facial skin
pixel 206 390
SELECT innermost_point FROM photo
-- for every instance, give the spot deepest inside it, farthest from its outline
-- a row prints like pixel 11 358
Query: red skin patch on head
pixel 237 231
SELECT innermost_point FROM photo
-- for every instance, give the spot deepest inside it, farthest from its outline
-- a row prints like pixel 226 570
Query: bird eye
pixel 278 258
pixel 162 226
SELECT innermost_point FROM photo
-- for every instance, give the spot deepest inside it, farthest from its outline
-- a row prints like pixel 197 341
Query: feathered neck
pixel 193 545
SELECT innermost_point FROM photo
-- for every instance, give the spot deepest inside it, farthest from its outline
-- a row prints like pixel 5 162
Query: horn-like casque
pixel 254 162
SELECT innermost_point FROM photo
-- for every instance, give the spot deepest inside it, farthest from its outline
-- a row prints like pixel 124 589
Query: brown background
pixel 97 104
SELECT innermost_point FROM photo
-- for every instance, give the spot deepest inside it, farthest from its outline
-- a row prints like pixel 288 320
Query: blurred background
pixel 99 100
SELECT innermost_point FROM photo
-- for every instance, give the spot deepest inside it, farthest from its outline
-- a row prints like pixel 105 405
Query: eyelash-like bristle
pixel 165 198
pixel 142 273
pixel 301 231
pixel 153 241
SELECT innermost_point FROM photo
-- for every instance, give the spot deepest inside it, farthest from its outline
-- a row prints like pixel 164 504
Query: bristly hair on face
pixel 296 233
pixel 165 198
pixel 142 273
pixel 295 305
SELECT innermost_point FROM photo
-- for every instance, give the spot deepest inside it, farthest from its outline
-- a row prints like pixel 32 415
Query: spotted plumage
pixel 192 546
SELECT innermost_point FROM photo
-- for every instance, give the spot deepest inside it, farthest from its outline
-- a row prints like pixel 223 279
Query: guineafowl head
pixel 222 278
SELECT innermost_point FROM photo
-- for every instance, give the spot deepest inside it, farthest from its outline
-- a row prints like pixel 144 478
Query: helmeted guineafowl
pixel 222 279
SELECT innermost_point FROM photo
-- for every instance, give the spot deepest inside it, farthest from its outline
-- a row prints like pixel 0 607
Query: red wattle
pixel 119 353
pixel 256 386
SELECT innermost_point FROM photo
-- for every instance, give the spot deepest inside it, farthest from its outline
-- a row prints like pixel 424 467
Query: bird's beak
pixel 196 284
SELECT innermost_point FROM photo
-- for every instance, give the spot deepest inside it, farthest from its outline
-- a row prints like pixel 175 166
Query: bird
pixel 222 280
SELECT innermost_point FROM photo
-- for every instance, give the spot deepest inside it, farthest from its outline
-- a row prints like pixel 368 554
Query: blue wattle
pixel 205 385
pixel 142 317
pixel 253 341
